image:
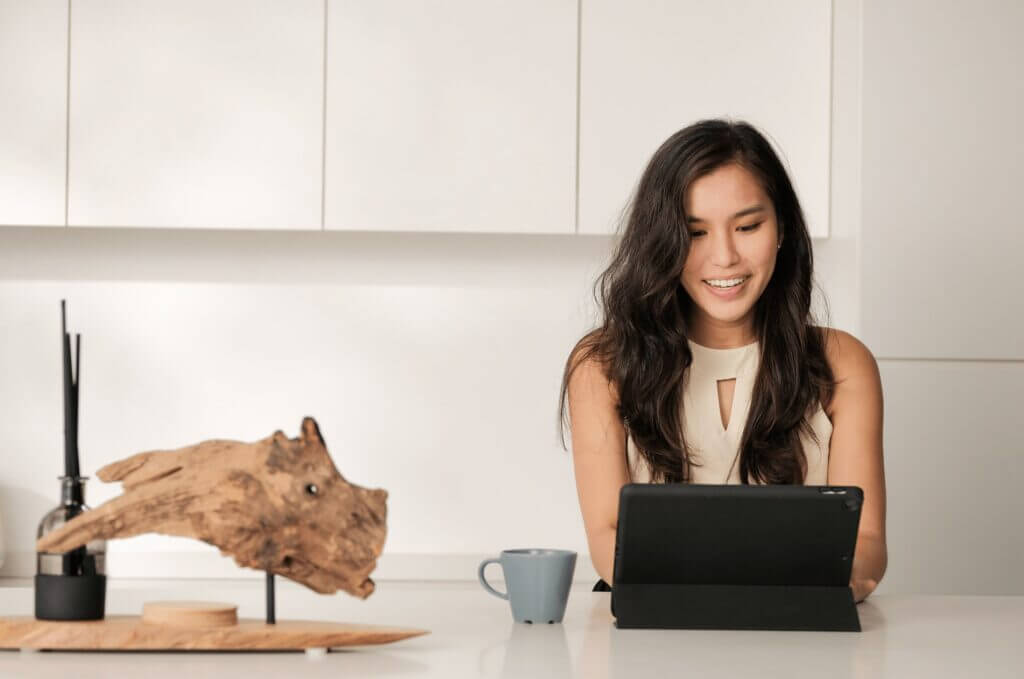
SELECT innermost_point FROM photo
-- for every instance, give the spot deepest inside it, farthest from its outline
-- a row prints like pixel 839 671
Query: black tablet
pixel 731 536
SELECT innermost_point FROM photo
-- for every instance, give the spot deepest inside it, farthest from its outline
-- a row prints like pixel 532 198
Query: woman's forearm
pixel 602 553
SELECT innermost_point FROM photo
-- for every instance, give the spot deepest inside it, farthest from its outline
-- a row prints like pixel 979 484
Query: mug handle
pixel 480 574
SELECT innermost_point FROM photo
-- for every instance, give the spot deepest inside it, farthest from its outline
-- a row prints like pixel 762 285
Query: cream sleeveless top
pixel 715 447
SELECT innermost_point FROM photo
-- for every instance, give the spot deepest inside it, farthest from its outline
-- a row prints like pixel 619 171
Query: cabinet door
pixel 196 113
pixel 648 69
pixel 33 110
pixel 451 116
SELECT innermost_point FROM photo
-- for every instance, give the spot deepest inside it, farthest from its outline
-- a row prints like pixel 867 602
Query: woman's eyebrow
pixel 741 213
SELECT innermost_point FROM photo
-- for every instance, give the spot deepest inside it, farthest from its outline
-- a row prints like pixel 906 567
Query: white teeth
pixel 732 282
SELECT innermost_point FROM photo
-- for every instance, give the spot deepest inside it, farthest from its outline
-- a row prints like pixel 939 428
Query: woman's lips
pixel 727 293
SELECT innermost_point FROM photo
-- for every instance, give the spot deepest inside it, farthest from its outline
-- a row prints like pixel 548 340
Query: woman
pixel 706 367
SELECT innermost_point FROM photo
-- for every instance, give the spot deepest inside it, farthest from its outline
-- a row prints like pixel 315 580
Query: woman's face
pixel 734 238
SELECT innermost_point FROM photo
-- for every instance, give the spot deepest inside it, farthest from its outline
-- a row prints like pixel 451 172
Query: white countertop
pixel 473 635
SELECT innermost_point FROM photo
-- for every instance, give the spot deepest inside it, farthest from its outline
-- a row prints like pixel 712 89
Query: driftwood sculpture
pixel 277 505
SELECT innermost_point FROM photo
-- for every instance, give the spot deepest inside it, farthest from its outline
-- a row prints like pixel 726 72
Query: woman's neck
pixel 715 334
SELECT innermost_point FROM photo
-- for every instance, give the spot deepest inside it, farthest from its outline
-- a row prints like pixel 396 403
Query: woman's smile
pixel 727 288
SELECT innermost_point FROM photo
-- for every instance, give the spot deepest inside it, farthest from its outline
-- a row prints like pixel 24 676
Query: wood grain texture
pixel 131 633
pixel 190 613
pixel 276 505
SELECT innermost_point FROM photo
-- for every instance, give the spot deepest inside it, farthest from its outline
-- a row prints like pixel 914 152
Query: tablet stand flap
pixel 736 607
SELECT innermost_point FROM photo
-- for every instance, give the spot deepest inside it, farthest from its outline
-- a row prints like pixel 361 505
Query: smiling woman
pixel 708 367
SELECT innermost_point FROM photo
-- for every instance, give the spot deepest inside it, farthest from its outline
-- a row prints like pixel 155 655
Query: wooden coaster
pixel 190 613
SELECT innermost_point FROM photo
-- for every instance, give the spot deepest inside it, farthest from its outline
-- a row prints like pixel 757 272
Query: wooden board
pixel 131 633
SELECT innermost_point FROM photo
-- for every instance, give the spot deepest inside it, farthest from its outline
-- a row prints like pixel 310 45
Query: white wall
pixel 430 361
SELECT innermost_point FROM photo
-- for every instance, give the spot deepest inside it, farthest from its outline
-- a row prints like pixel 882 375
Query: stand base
pixel 735 607
pixel 131 633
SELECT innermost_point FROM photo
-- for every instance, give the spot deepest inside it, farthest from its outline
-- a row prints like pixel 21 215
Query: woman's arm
pixel 599 459
pixel 855 452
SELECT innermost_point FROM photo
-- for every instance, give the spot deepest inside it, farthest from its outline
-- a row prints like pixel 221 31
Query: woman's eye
pixel 696 234
pixel 750 227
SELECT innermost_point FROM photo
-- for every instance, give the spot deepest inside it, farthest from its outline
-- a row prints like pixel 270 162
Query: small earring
pixel 780 246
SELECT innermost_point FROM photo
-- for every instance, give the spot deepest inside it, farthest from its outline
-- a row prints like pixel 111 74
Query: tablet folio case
pixel 690 556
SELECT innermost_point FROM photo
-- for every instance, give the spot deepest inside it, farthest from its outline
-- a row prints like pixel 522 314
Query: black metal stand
pixel 271 619
pixel 736 607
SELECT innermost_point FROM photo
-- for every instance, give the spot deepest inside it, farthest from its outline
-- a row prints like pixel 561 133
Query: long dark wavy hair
pixel 641 344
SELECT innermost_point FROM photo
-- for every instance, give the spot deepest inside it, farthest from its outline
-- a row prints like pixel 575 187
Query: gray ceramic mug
pixel 537 581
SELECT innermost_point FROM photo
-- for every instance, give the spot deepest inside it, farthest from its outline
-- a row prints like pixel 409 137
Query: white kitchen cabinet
pixel 33 107
pixel 648 69
pixel 453 116
pixel 196 113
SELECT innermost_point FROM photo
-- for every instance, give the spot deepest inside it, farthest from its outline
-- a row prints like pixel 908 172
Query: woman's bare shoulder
pixel 847 356
pixel 588 370
pixel 854 369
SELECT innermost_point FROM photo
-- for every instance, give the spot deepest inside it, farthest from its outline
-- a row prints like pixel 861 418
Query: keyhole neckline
pixel 701 347
pixel 722 364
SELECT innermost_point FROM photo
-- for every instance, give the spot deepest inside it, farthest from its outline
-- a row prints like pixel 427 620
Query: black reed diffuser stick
pixel 71 382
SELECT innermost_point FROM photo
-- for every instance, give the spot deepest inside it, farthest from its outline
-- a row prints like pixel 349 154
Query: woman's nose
pixel 723 251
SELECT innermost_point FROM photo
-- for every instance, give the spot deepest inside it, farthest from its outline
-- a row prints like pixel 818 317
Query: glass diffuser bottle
pixel 70 585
